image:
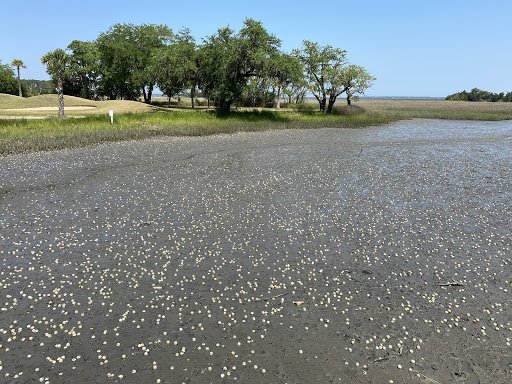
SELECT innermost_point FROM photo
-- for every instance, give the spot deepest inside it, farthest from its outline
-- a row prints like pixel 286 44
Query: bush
pixel 304 107
pixel 348 110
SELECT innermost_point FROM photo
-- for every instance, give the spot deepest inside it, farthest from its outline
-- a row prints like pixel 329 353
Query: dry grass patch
pixel 440 108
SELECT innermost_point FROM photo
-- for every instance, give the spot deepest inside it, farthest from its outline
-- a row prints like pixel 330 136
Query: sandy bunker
pixel 372 256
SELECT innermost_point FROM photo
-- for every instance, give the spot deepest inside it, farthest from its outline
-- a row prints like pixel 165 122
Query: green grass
pixel 18 136
pixel 26 135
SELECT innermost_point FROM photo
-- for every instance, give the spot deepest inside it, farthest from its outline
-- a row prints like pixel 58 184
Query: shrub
pixel 348 110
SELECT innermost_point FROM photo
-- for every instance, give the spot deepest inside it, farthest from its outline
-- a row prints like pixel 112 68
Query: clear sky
pixel 413 47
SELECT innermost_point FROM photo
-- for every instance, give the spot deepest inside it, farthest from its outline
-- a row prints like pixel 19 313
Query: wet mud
pixel 380 255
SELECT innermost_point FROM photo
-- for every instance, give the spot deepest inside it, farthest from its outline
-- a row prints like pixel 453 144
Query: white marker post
pixel 111 114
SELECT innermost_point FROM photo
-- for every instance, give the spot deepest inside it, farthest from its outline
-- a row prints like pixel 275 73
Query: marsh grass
pixel 439 109
pixel 135 121
pixel 18 136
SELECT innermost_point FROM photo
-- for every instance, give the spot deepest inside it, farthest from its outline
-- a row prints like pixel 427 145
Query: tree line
pixel 244 68
pixel 8 82
pixel 12 85
pixel 479 95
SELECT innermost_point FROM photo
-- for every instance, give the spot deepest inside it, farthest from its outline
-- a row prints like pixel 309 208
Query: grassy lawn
pixel 29 124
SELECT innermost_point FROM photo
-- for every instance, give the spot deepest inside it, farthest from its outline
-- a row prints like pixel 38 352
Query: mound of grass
pixel 5 99
pixel 17 106
pixel 41 101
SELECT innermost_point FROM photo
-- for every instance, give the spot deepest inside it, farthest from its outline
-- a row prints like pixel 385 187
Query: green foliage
pixel 245 68
pixel 82 74
pixel 257 93
pixel 8 82
pixel 176 65
pixel 228 61
pixel 324 69
pixel 287 72
pixel 56 62
pixel 479 95
pixel 125 52
pixel 328 76
pixel 37 87
pixel 356 80
pixel 18 64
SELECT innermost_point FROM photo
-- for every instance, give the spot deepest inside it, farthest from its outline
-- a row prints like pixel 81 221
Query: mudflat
pixel 377 255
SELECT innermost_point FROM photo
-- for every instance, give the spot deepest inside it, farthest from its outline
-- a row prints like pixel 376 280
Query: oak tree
pixel 229 60
pixel 125 52
pixel 356 80
pixel 323 66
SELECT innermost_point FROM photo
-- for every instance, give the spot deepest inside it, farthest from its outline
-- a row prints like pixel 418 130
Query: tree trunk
pixel 331 103
pixel 150 93
pixel 145 96
pixel 19 82
pixel 278 104
pixel 224 106
pixel 348 100
pixel 192 95
pixel 322 104
pixel 60 92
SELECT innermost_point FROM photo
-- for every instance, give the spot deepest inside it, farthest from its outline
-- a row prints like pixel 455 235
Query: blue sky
pixel 414 48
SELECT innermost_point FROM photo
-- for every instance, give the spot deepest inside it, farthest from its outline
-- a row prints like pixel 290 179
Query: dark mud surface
pixel 380 255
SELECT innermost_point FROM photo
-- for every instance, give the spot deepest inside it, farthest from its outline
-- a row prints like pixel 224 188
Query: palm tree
pixel 56 62
pixel 18 63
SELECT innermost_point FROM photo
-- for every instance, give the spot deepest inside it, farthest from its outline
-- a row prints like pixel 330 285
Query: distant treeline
pixel 9 84
pixel 37 87
pixel 479 95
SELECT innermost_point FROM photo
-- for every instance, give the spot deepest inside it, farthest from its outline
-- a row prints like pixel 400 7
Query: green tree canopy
pixel 7 80
pixel 125 52
pixel 176 65
pixel 246 68
pixel 287 70
pixel 229 60
pixel 356 80
pixel 324 69
pixel 479 95
pixel 82 74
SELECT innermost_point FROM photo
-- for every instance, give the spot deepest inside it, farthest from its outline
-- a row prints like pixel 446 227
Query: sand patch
pixel 7 117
